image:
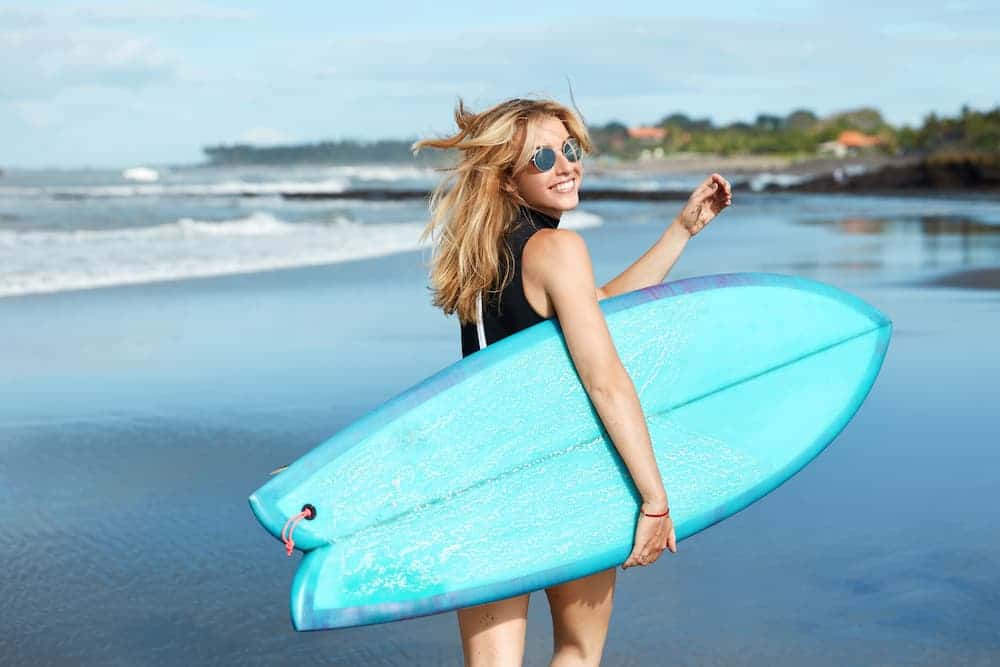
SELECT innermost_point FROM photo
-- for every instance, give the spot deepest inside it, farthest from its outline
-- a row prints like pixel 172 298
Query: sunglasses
pixel 544 158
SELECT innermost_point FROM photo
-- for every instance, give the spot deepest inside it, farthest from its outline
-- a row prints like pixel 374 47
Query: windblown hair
pixel 475 204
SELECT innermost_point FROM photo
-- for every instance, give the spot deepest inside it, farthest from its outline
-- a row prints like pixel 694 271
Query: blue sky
pixel 85 84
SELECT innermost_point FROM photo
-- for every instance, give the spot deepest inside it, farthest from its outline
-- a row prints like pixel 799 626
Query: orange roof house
pixel 855 139
pixel 643 132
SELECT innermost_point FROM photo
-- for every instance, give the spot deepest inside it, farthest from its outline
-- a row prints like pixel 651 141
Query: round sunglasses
pixel 544 158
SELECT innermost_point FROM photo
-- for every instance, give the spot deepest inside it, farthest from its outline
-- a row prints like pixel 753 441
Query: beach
pixel 138 414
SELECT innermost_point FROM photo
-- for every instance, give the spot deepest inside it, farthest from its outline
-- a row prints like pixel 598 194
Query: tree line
pixel 801 132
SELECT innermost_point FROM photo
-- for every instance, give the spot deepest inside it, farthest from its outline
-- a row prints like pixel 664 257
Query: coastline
pixel 974 279
pixel 739 164
pixel 945 175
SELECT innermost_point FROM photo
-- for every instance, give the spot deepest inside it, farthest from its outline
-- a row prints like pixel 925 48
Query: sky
pixel 142 83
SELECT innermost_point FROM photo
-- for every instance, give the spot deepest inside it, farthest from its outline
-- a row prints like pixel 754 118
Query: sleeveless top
pixel 511 312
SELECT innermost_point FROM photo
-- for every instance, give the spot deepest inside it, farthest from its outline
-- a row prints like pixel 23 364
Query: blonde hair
pixel 473 206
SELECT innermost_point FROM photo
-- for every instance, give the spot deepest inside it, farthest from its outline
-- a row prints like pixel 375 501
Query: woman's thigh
pixel 581 611
pixel 493 633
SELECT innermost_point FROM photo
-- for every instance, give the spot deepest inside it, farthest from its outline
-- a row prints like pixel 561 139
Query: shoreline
pixel 206 279
pixel 981 278
pixel 738 164
pixel 971 279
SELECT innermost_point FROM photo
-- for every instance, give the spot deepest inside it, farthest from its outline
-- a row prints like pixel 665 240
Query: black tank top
pixel 511 312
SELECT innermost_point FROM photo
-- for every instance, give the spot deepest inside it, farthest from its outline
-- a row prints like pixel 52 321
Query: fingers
pixel 715 186
pixel 652 538
pixel 722 183
pixel 705 188
pixel 647 557
pixel 651 552
pixel 644 554
pixel 723 189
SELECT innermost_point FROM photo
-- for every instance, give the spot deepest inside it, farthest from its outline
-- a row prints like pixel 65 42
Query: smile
pixel 564 186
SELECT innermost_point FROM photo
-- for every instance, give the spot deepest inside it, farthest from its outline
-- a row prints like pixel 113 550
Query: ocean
pixel 165 344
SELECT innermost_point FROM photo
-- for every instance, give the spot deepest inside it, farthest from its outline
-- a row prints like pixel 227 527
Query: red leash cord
pixel 306 513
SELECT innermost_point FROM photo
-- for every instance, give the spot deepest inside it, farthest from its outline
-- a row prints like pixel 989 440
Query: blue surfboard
pixel 495 476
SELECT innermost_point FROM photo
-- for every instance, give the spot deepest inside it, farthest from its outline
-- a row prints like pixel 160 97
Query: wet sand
pixel 135 421
pixel 988 279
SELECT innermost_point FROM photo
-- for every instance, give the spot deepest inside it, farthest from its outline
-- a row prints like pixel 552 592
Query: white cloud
pixel 38 63
pixel 727 68
pixel 123 13
pixel 171 12
pixel 164 80
pixel 38 114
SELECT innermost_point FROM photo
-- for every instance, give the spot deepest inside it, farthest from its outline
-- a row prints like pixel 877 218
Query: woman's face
pixel 557 189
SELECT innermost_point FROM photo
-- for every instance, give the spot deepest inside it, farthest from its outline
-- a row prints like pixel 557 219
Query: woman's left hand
pixel 707 201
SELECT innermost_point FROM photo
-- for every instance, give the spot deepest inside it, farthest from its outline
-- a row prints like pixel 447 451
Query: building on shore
pixel 849 142
pixel 648 134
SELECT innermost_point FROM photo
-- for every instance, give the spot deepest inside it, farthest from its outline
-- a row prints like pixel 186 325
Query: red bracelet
pixel 656 516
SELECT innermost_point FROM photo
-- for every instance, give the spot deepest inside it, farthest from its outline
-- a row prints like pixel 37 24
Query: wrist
pixel 657 505
pixel 677 231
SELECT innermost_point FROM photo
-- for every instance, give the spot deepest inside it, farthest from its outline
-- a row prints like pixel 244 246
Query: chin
pixel 568 203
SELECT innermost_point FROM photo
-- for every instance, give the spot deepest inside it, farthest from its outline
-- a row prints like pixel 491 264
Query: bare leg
pixel 581 612
pixel 493 633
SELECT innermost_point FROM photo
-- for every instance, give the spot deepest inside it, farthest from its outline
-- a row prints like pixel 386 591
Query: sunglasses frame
pixel 575 153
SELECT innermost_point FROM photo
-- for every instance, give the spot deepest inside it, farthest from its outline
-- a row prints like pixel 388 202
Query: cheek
pixel 530 188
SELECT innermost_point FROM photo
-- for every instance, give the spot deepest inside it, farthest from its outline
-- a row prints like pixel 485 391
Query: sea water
pixel 155 366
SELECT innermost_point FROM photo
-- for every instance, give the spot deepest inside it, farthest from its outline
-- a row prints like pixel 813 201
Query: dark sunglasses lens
pixel 545 159
pixel 571 149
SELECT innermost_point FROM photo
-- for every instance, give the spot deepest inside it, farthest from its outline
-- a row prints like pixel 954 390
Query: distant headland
pixel 348 151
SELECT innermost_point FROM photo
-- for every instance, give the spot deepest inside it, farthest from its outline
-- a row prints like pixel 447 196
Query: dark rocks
pixel 951 171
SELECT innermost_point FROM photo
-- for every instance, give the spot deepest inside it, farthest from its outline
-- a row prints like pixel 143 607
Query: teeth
pixel 565 186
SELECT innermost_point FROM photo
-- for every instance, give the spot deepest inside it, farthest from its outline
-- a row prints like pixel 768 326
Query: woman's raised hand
pixel 706 202
pixel 652 536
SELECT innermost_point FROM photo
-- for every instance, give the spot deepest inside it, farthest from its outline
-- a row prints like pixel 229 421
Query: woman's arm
pixel 558 261
pixel 653 266
pixel 707 201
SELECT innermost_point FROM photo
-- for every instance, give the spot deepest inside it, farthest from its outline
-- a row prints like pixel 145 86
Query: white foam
pixel 580 220
pixel 52 261
pixel 38 262
pixel 145 182
pixel 378 172
pixel 762 180
pixel 222 188
pixel 141 174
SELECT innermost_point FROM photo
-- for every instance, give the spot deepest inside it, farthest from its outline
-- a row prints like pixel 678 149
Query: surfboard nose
pixel 267 515
pixel 275 521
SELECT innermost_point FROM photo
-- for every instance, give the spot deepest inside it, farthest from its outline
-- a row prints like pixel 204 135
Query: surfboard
pixel 495 476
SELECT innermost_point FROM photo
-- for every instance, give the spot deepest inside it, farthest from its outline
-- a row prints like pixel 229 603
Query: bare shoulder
pixel 560 253
pixel 557 242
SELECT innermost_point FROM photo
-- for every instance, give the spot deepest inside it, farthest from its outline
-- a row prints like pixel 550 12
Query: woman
pixel 502 264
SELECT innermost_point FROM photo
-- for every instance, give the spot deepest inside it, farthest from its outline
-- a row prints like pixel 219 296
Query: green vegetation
pixel 799 133
pixel 802 132
pixel 970 131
